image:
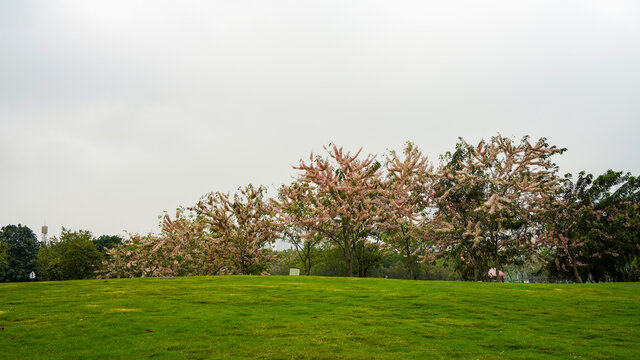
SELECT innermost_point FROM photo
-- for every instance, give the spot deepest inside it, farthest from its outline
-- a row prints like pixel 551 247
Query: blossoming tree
pixel 182 248
pixel 341 199
pixel 302 237
pixel 409 202
pixel 242 228
pixel 490 201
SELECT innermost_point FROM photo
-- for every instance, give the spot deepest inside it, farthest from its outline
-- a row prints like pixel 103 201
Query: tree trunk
pixel 476 272
pixel 410 271
pixel 360 256
pixel 496 255
pixel 347 260
pixel 307 269
pixel 410 262
pixel 307 265
pixel 498 278
pixel 576 276
pixel 346 247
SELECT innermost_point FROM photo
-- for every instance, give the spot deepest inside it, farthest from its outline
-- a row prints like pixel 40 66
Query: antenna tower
pixel 44 233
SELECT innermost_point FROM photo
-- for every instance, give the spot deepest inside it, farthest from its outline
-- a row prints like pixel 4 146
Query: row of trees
pixel 497 205
pixel 74 255
pixel 493 205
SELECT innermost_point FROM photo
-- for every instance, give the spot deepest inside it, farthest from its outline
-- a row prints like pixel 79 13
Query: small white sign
pixel 294 271
pixel 32 275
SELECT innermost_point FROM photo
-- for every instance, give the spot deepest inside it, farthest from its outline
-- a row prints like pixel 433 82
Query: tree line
pixel 72 256
pixel 494 206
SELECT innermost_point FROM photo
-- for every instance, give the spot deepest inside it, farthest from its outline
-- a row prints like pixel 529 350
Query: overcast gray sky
pixel 113 111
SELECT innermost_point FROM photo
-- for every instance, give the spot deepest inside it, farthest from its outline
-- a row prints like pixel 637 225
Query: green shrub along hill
pixel 281 317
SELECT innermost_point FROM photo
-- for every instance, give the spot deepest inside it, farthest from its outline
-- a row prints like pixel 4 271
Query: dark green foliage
pixel 73 256
pixel 394 267
pixel 4 258
pixel 367 260
pixel 22 248
pixel 328 261
pixel 368 257
pixel 600 220
pixel 106 242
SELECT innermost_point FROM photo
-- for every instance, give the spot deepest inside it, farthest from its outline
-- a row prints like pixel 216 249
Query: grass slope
pixel 314 317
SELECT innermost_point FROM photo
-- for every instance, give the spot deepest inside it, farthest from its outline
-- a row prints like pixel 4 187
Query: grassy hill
pixel 312 317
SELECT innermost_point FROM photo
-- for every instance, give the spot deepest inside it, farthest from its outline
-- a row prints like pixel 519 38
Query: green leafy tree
pixel 22 249
pixel 48 263
pixel 106 242
pixel 329 261
pixel 594 230
pixel 73 256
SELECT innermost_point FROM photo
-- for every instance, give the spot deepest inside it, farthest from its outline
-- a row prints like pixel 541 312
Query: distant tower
pixel 44 233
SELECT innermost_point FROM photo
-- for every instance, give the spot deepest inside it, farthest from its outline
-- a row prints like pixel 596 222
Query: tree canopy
pixel 72 256
pixel 21 248
pixel 490 198
pixel 594 228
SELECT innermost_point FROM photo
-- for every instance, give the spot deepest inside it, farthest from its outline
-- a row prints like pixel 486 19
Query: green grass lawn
pixel 274 317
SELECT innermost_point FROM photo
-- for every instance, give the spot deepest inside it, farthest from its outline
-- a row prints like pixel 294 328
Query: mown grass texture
pixel 281 317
